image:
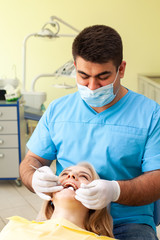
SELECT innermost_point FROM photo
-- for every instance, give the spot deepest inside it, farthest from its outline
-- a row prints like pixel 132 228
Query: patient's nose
pixel 73 176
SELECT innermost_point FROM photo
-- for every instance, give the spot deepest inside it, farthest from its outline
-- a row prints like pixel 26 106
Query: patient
pixel 64 217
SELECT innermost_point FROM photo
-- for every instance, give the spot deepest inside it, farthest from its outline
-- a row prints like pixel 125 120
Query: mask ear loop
pixel 116 75
pixel 115 81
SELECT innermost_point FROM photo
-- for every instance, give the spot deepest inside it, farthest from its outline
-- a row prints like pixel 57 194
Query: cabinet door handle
pixel 1 128
pixel 1 141
pixel 1 155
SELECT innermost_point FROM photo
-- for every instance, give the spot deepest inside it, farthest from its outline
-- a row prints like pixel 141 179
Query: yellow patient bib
pixel 55 229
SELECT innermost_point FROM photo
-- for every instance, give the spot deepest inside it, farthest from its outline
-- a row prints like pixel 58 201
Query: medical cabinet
pixel 12 138
pixel 149 85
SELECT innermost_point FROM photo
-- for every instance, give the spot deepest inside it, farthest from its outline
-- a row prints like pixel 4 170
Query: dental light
pixel 67 70
pixel 51 30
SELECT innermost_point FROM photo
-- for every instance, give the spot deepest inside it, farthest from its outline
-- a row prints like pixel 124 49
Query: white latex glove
pixel 98 194
pixel 45 181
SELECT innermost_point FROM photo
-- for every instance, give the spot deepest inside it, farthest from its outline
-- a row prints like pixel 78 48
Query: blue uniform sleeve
pixel 40 142
pixel 151 157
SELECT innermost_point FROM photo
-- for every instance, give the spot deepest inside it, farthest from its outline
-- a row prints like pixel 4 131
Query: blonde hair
pixel 97 221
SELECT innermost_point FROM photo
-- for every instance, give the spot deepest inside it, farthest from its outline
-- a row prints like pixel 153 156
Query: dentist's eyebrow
pixel 81 72
pixel 103 73
pixel 98 75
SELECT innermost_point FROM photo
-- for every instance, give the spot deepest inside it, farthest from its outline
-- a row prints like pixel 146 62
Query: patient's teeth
pixel 71 188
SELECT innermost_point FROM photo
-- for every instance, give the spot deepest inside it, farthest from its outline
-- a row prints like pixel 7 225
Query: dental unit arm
pixel 51 30
pixel 67 70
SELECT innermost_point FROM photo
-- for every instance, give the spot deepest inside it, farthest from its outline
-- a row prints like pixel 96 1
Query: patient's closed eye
pixel 64 174
pixel 84 176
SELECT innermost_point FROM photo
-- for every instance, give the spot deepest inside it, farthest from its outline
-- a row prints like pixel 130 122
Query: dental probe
pixel 34 167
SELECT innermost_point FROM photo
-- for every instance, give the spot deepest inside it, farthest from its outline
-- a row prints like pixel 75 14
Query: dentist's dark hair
pixel 98 44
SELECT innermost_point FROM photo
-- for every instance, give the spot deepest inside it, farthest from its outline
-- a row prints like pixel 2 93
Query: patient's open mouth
pixel 70 185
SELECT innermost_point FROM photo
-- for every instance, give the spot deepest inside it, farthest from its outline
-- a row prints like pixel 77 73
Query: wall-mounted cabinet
pixel 149 85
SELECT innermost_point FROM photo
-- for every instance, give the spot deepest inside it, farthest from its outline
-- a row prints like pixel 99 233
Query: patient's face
pixel 74 176
pixel 71 179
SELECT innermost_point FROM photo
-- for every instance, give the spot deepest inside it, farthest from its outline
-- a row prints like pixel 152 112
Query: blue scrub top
pixel 121 142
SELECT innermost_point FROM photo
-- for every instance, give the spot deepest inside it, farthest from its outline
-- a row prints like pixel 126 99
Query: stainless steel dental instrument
pixel 34 167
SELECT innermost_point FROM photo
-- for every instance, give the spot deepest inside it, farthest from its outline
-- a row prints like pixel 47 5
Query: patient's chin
pixel 68 191
pixel 65 193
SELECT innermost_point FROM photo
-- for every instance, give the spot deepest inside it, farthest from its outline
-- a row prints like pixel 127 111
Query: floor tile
pixel 23 211
pixel 34 201
pixel 10 197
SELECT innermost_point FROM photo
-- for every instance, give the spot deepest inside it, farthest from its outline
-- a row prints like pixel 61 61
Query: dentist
pixel 108 125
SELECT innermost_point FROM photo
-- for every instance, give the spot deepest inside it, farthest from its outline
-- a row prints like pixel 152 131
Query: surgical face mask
pixel 100 96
